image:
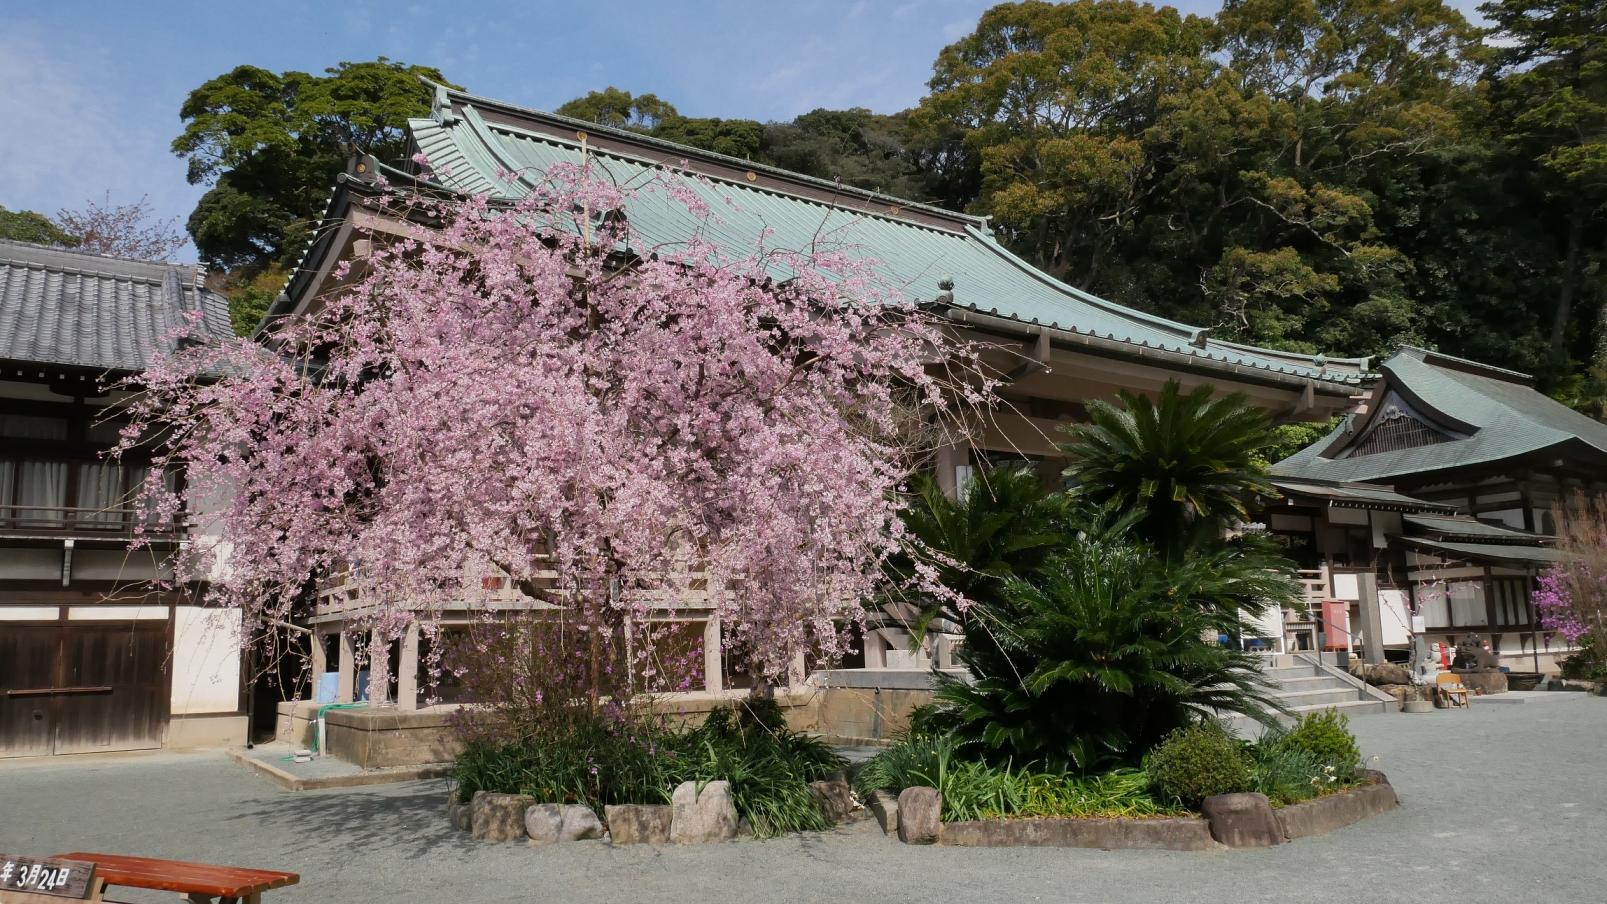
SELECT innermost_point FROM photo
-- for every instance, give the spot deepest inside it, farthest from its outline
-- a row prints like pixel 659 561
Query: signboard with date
pixel 25 878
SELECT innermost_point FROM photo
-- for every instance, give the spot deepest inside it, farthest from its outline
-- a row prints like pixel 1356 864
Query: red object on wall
pixel 1336 624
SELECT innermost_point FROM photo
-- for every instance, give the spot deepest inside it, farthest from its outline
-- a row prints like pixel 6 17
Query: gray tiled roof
pixel 70 308
pixel 1500 416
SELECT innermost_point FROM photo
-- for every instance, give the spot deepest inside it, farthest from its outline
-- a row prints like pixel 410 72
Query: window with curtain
pixel 101 494
pixel 41 491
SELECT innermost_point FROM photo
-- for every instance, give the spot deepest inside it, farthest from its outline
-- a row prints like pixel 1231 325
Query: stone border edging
pixel 1335 811
pixel 1240 820
pixel 1169 834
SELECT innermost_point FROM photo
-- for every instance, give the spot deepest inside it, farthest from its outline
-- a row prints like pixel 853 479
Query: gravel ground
pixel 1499 804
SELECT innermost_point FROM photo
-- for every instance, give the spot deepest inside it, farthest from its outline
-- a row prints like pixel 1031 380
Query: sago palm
pixel 1187 462
pixel 1004 524
pixel 1096 661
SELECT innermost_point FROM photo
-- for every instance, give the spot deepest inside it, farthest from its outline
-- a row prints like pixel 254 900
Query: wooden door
pixel 83 688
pixel 28 656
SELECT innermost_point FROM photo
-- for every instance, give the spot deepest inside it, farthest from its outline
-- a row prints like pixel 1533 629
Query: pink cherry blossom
pixel 532 387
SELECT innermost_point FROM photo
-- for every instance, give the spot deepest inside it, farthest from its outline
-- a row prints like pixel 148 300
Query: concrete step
pixel 1309 683
pixel 1331 696
pixel 1291 672
pixel 1349 708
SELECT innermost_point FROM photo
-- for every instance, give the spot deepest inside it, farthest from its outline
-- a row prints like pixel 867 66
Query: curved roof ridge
pixel 486 133
pixel 1468 365
pixel 1187 332
pixel 34 254
pixel 693 153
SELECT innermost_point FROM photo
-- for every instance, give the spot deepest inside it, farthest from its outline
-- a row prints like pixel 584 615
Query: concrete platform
pixel 276 762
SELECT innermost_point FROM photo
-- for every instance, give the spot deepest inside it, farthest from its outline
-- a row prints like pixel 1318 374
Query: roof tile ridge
pixel 694 153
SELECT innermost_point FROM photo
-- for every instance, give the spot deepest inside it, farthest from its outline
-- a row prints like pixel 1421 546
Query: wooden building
pixel 1054 346
pixel 1434 500
pixel 93 655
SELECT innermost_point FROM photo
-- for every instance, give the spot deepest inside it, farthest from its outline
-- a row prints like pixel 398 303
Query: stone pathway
pixel 1500 803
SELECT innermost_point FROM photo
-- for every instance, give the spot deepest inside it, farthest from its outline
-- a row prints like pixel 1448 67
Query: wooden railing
pixel 30 519
pixel 342 593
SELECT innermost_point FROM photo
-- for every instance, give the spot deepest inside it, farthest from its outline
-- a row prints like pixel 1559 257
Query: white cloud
pixel 70 139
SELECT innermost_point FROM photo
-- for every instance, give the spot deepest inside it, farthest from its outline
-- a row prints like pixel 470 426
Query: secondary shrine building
pixel 94 654
pixel 1433 501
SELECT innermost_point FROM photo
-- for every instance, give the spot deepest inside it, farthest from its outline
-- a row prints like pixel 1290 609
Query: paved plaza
pixel 1503 803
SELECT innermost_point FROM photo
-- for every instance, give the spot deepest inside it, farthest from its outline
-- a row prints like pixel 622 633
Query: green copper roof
pixel 1360 495
pixel 1463 527
pixel 477 146
pixel 1492 414
pixel 1491 552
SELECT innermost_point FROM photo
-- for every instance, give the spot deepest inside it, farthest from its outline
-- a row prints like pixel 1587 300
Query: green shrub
pixel 1326 736
pixel 975 789
pixel 1285 773
pixel 609 759
pixel 916 759
pixel 1196 762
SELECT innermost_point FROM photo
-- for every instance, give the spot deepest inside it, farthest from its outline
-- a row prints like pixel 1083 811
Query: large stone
pixel 544 823
pixel 457 812
pixel 834 797
pixel 1483 682
pixel 579 823
pixel 884 806
pixel 1384 673
pixel 498 817
pixel 1242 820
pixel 920 812
pixel 701 815
pixel 638 823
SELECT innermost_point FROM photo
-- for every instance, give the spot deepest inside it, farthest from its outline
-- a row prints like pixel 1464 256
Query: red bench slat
pixel 181 876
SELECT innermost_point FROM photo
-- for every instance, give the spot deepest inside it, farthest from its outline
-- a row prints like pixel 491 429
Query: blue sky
pixel 93 89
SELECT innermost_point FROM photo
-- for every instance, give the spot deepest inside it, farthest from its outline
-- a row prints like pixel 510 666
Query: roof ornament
pixel 1199 337
pixel 946 284
pixel 443 107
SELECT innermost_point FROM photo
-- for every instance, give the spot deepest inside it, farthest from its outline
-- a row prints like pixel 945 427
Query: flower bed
pixel 775 780
pixel 1200 789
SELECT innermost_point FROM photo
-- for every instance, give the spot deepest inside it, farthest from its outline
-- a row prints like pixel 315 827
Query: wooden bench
pixel 201 883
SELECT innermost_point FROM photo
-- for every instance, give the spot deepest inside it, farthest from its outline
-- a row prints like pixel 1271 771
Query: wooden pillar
pixel 379 669
pixel 1372 621
pixel 796 672
pixel 407 670
pixel 317 664
pixel 948 459
pixel 713 666
pixel 346 686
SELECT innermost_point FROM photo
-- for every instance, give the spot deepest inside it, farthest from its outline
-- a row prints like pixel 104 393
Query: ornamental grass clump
pixel 1197 762
pixel 1284 772
pixel 1326 736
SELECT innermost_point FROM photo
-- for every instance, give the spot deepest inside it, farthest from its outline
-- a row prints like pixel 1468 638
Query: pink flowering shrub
pixel 1571 596
pixel 531 390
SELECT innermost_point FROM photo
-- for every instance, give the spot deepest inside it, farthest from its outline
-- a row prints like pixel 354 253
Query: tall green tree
pixel 1550 91
pixel 271 144
pixel 32 226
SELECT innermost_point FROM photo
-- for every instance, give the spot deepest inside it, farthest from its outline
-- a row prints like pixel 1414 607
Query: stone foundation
pixel 196 732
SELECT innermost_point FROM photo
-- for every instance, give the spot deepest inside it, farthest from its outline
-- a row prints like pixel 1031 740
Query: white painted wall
pixel 206 660
pixel 1394 621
